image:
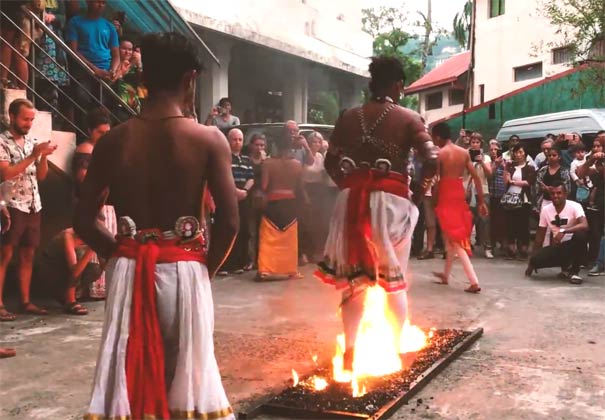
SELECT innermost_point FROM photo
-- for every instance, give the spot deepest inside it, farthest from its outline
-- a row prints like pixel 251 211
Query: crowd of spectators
pixel 521 191
pixel 97 41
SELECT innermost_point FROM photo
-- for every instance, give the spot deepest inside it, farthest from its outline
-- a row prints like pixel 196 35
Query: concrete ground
pixel 541 355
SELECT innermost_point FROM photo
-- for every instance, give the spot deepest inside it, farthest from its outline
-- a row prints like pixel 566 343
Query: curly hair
pixel 384 72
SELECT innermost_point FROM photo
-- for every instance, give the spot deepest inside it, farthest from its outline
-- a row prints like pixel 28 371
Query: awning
pixel 157 16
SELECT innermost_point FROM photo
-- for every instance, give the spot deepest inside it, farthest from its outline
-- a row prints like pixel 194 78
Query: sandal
pixel 6 352
pixel 473 288
pixel 31 309
pixel 441 276
pixel 75 308
pixel 6 316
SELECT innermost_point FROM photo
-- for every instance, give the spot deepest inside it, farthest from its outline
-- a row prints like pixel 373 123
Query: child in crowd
pixel 583 190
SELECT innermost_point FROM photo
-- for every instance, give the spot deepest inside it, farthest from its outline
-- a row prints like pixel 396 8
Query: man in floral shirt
pixel 23 162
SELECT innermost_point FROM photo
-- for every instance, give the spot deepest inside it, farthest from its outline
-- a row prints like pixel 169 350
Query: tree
pixel 581 25
pixel 462 25
pixel 384 24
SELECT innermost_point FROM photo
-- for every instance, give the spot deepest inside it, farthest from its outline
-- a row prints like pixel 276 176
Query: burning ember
pixel 378 347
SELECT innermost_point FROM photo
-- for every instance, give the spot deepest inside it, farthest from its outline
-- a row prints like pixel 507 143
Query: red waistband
pixel 168 250
pixel 362 182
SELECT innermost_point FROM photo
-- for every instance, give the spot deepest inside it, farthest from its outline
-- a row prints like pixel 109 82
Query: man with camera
pixel 561 236
pixel 221 116
pixel 482 164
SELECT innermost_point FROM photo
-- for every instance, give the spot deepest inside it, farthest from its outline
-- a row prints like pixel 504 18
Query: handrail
pixel 40 72
pixel 74 56
pixel 53 60
pixel 47 103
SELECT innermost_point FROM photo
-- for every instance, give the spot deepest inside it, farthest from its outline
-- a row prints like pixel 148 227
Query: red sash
pixel 362 182
pixel 145 351
pixel 453 213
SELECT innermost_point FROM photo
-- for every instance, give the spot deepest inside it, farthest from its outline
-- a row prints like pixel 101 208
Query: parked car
pixel 273 130
pixel 532 130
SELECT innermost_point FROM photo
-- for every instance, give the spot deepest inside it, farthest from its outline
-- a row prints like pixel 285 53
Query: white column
pixel 214 81
pixel 296 93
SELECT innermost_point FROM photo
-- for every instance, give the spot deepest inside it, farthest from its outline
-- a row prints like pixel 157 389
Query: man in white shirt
pixel 561 237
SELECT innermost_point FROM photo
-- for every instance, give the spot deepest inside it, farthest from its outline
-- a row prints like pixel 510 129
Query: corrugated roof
pixel 447 72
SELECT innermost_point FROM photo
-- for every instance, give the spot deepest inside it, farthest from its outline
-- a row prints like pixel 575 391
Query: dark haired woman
pixel 374 217
pixel 548 174
pixel 517 201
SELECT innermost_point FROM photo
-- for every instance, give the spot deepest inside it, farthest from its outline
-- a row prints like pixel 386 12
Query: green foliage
pixel 581 24
pixel 384 24
pixel 462 25
pixel 324 108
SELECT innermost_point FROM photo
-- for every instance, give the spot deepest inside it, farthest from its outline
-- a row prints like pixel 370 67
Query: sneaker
pixel 489 254
pixel 575 279
pixel 596 271
pixel 239 271
pixel 223 273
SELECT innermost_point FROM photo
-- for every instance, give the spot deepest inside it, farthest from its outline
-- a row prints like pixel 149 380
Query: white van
pixel 532 130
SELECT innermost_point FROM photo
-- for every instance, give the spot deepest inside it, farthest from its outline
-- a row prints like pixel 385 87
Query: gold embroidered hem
pixel 174 415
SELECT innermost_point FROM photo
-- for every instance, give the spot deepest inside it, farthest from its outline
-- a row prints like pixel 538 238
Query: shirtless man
pixel 157 355
pixel 455 217
pixel 374 218
pixel 278 237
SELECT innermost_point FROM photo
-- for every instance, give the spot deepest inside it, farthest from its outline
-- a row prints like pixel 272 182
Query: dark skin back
pixel 155 170
pixel 401 126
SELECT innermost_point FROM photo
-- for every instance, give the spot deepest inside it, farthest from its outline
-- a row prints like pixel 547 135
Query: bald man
pixel 243 175
pixel 300 147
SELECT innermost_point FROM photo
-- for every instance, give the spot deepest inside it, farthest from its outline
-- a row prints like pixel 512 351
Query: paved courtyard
pixel 541 355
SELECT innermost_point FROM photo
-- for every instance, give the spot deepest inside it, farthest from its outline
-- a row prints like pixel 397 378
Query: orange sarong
pixel 455 217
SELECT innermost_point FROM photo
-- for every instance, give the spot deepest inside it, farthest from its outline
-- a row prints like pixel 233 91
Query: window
pixel 456 96
pixel 531 71
pixel 481 94
pixel 496 8
pixel 434 101
pixel 561 55
pixel 492 112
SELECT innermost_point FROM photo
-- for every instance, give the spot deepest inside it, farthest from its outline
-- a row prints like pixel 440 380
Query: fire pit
pixel 384 395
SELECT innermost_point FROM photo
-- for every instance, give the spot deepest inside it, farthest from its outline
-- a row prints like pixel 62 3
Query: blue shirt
pixel 241 167
pixel 95 38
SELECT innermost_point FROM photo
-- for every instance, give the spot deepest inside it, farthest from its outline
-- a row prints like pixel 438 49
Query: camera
pixel 474 154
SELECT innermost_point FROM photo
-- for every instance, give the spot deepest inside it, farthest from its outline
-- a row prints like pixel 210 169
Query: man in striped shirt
pixel 243 175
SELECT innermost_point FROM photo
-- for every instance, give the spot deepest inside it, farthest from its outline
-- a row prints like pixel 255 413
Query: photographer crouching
pixel 561 238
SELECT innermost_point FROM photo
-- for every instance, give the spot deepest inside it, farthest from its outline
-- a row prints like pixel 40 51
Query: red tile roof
pixel 447 72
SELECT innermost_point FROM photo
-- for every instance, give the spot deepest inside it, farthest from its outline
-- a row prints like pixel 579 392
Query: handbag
pixel 511 200
pixel 582 194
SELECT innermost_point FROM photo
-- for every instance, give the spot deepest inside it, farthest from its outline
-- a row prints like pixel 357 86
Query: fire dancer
pixel 455 217
pixel 373 218
pixel 157 354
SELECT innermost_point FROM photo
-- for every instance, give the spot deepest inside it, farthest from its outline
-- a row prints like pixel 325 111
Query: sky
pixel 443 10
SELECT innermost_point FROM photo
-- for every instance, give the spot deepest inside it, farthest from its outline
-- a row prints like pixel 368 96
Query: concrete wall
pixel 327 32
pixel 436 114
pixel 519 37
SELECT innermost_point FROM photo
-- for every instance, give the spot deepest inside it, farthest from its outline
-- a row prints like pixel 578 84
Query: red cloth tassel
pixel 145 351
pixel 362 182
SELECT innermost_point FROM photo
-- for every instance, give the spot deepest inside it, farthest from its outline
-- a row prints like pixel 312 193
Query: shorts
pixel 24 229
pixel 430 220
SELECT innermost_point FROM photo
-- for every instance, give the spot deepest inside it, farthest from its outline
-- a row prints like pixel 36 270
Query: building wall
pixel 438 113
pixel 553 96
pixel 328 32
pixel 519 37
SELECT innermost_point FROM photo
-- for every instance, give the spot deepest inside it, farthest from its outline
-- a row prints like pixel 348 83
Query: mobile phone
pixel 499 153
pixel 474 154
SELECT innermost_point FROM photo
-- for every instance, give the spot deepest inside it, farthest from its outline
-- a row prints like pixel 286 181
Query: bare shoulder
pixel 85 147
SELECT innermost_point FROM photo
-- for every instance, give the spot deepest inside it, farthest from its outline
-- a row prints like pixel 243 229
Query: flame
pixel 412 338
pixel 319 383
pixel 294 377
pixel 314 358
pixel 377 351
